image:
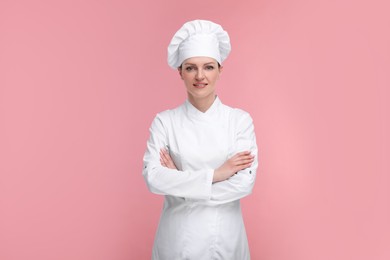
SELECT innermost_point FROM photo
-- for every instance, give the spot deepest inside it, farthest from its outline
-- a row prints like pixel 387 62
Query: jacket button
pixel 250 172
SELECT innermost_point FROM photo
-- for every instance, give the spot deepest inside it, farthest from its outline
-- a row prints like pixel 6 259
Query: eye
pixel 209 67
pixel 189 69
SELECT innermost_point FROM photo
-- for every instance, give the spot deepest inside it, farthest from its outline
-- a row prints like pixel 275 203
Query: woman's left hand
pixel 166 160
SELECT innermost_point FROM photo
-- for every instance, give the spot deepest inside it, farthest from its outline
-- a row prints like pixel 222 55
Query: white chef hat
pixel 198 38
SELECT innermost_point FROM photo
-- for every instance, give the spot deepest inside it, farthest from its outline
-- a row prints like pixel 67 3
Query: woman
pixel 201 155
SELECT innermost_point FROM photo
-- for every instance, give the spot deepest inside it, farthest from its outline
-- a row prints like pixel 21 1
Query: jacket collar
pixel 210 114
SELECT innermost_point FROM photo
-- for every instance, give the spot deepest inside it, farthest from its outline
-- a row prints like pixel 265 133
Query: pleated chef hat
pixel 198 38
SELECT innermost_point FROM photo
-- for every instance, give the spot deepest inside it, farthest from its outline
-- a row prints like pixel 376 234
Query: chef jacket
pixel 200 219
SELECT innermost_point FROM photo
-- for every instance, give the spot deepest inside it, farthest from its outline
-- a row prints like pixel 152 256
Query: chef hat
pixel 198 38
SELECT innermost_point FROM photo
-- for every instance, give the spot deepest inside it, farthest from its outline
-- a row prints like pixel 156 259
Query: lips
pixel 200 85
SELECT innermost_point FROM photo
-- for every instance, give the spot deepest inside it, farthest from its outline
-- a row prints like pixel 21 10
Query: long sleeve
pixel 240 184
pixel 164 181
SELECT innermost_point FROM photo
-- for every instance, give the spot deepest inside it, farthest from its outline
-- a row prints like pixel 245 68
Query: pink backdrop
pixel 80 82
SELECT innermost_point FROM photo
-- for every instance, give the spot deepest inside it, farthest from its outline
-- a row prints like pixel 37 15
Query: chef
pixel 201 155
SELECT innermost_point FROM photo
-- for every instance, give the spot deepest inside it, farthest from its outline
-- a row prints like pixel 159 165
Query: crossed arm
pixel 220 185
pixel 238 162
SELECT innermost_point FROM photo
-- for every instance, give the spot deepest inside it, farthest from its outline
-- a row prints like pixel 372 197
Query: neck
pixel 202 104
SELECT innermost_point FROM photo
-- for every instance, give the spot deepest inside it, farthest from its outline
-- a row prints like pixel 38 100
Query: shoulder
pixel 242 122
pixel 169 114
pixel 238 115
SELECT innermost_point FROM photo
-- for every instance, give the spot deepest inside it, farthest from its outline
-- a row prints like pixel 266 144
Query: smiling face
pixel 200 75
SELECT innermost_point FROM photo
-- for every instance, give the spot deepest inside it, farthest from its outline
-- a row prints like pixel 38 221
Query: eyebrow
pixel 213 63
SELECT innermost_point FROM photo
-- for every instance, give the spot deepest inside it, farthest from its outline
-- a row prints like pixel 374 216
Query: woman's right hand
pixel 236 163
pixel 166 160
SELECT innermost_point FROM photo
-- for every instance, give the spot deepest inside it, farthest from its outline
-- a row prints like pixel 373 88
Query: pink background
pixel 80 82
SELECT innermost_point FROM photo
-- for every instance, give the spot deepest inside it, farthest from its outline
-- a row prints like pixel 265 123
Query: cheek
pixel 215 77
pixel 187 76
pixel 187 81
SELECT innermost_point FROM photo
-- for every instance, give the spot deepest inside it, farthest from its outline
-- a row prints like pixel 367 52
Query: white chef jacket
pixel 200 219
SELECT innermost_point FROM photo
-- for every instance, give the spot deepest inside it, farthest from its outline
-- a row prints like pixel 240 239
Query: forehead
pixel 199 61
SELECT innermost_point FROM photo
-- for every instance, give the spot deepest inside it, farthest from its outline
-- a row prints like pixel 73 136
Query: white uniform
pixel 200 220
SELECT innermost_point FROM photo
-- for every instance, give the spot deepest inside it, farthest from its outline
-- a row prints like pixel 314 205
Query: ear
pixel 220 70
pixel 179 69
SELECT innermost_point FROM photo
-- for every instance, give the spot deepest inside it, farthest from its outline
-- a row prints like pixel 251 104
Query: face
pixel 200 75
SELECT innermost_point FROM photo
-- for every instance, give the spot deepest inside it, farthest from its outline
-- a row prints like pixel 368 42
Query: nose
pixel 199 74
